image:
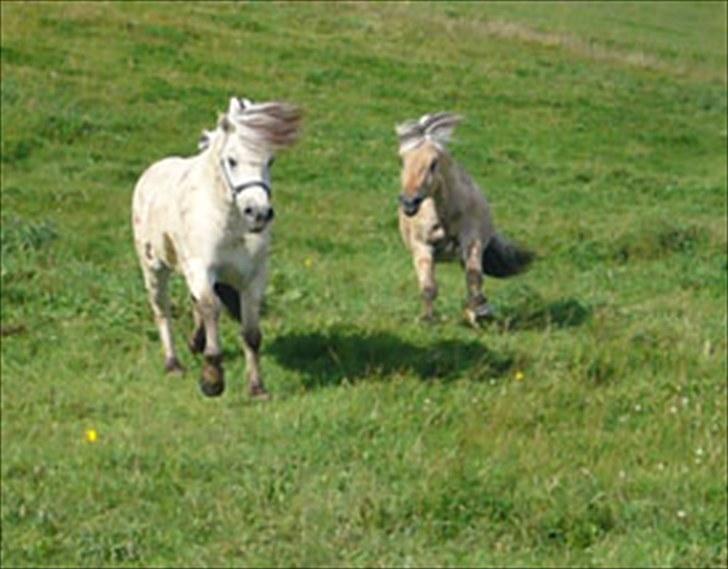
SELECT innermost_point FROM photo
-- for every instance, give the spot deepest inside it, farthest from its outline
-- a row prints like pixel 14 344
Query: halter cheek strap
pixel 236 190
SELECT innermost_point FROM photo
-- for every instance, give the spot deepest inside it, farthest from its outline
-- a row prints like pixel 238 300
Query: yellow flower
pixel 519 375
pixel 91 435
pixel 308 262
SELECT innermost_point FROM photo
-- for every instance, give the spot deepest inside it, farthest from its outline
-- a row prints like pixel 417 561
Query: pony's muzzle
pixel 410 205
pixel 261 218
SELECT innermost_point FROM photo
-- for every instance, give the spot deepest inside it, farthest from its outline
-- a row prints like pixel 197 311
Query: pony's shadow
pixel 334 356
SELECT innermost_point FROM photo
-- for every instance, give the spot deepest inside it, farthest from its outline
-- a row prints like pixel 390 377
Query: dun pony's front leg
pixel 207 308
pixel 424 262
pixel 250 301
pixel 477 307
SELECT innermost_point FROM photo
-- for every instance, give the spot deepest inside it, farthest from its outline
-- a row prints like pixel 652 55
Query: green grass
pixel 599 134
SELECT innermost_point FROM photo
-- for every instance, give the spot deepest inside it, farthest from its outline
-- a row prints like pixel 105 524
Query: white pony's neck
pixel 210 161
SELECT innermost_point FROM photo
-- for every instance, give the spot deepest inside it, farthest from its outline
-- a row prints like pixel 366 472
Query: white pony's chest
pixel 238 259
pixel 220 245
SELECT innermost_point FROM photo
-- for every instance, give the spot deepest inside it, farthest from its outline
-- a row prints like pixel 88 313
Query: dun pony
pixel 444 215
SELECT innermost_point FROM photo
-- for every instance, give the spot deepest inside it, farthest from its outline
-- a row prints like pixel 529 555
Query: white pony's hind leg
pixel 250 301
pixel 156 280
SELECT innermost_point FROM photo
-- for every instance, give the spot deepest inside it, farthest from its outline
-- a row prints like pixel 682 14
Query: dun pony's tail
pixel 230 298
pixel 502 258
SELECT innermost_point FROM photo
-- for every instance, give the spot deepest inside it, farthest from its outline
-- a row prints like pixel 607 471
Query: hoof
pixel 210 389
pixel 479 314
pixel 212 382
pixel 259 393
pixel 172 365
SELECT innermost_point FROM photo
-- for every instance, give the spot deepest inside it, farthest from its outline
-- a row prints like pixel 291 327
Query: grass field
pixel 587 427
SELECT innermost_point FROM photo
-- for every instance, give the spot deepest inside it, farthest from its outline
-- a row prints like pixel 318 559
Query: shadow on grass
pixel 330 357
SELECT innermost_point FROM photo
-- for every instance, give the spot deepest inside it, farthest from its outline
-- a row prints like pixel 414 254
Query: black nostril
pixel 410 205
pixel 411 202
pixel 265 216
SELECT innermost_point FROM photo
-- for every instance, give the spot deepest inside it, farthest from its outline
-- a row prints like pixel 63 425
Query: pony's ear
pixel 225 124
pixel 204 140
pixel 440 126
pixel 236 106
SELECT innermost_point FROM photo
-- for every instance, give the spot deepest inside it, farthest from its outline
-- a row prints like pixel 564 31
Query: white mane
pixel 271 126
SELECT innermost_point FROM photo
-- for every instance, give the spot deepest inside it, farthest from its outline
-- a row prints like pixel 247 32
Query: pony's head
pixel 244 145
pixel 422 144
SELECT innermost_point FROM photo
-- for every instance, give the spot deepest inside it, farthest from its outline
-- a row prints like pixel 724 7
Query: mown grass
pixel 586 427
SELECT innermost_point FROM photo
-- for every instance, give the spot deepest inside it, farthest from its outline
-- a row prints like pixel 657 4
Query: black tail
pixel 502 258
pixel 230 297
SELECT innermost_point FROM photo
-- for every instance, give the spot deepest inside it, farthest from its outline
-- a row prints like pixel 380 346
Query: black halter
pixel 245 185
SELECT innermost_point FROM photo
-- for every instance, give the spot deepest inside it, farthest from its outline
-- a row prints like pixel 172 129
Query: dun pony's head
pixel 422 143
pixel 244 145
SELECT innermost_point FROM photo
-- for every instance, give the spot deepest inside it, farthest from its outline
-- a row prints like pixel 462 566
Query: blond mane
pixel 436 128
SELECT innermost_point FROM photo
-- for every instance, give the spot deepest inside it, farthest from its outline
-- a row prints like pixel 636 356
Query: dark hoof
pixel 210 389
pixel 212 382
pixel 172 365
pixel 479 314
pixel 259 393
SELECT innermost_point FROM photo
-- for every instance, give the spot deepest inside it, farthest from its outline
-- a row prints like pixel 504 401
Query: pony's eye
pixel 248 211
pixel 232 162
pixel 433 166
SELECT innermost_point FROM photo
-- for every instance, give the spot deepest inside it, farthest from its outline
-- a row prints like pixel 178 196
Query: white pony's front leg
pixel 251 299
pixel 201 281
pixel 156 281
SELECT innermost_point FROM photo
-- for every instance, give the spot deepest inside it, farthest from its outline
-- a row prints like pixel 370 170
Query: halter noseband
pixel 245 185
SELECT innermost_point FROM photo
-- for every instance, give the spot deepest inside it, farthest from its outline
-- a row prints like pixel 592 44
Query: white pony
pixel 208 217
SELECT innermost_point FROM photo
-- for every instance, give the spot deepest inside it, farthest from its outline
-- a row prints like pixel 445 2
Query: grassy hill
pixel 586 427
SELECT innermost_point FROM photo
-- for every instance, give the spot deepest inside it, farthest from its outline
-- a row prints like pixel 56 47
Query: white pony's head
pixel 422 144
pixel 243 146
